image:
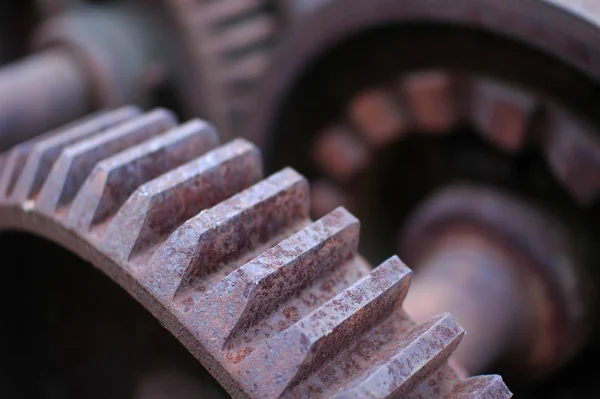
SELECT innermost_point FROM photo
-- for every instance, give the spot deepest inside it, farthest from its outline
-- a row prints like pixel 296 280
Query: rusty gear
pixel 471 242
pixel 271 303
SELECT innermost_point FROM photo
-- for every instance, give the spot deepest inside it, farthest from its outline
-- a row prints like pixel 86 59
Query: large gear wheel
pixel 271 303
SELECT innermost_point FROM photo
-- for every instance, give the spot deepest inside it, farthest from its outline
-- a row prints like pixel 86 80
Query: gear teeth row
pixel 45 152
pixel 424 349
pixel 245 35
pixel 266 293
pixel 275 305
pixel 504 114
pixel 114 179
pixel 32 161
pixel 219 240
pixel 436 102
pixel 77 161
pixel 248 69
pixel 158 207
pixel 327 330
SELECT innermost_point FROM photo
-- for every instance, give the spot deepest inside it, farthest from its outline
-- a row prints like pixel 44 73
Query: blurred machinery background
pixel 451 131
pixel 462 136
pixel 199 57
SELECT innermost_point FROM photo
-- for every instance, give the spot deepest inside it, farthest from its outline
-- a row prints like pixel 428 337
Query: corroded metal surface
pixel 271 303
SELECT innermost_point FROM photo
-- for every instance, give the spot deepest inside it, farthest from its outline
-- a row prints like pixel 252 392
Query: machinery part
pixel 487 255
pixel 61 94
pixel 272 304
pixel 386 91
pixel 440 86
pixel 87 58
pixel 230 44
pixel 94 56
pixel 77 334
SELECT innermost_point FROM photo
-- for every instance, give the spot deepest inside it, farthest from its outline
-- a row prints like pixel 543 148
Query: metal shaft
pixel 468 273
pixel 40 92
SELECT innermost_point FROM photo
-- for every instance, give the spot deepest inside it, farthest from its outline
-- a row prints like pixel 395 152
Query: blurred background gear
pixel 382 104
pixel 198 57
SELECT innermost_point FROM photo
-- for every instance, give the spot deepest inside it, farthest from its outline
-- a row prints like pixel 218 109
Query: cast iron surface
pixel 271 303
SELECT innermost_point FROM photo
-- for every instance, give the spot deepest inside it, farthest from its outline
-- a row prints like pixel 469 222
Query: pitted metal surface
pixel 270 302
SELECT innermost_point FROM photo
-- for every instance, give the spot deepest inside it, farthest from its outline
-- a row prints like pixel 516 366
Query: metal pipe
pixel 39 93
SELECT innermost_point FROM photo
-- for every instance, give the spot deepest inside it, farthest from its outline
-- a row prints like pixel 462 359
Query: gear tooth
pixel 433 101
pixel 573 153
pixel 222 37
pixel 158 207
pixel 77 161
pixel 114 179
pixel 222 10
pixel 416 355
pixel 16 158
pixel 247 69
pixel 340 154
pixel 242 35
pixel 481 387
pixel 14 161
pixel 501 113
pixel 378 116
pixel 251 294
pixel 47 149
pixel 14 164
pixel 226 236
pixel 328 330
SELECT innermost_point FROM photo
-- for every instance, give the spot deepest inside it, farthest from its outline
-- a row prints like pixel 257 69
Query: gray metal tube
pixel 39 93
